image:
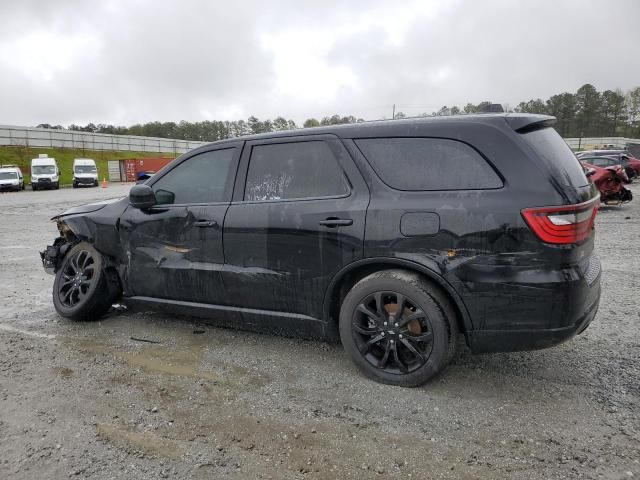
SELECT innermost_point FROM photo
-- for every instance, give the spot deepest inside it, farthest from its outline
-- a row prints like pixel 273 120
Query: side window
pixel 282 171
pixel 200 179
pixel 428 164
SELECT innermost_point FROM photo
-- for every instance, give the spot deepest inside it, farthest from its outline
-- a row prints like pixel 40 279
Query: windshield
pixel 85 169
pixel 43 169
pixel 8 175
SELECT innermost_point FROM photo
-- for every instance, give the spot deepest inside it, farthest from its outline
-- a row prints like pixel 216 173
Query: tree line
pixel 585 113
pixel 589 113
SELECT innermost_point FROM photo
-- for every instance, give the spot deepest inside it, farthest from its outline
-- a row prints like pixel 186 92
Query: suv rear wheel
pixel 397 328
pixel 83 288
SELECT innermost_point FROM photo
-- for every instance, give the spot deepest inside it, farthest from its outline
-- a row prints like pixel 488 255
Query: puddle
pixel 165 359
pixel 162 359
pixel 188 361
pixel 148 442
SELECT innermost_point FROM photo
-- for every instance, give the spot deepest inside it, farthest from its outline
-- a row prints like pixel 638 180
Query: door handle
pixel 332 222
pixel 205 223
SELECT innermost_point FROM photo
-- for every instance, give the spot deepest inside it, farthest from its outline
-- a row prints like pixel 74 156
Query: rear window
pixel 285 171
pixel 557 154
pixel 428 164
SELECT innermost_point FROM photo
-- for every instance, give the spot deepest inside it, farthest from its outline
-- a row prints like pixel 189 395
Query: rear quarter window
pixel 428 164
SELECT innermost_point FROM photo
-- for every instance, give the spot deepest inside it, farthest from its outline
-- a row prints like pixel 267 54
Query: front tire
pixel 83 288
pixel 397 329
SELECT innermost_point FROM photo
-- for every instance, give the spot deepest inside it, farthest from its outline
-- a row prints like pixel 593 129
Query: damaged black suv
pixel 397 237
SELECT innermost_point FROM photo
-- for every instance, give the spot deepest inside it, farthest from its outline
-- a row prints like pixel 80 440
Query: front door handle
pixel 205 223
pixel 332 222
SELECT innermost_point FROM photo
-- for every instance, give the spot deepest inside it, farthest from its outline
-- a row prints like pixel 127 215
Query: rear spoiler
pixel 523 123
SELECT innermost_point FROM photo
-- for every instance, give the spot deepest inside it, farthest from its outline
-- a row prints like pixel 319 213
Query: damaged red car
pixel 609 182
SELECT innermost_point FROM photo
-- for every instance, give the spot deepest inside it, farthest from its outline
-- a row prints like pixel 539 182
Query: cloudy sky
pixel 124 62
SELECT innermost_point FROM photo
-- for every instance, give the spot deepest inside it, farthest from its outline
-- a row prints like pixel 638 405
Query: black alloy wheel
pixel 78 277
pixel 84 288
pixel 398 327
pixel 392 333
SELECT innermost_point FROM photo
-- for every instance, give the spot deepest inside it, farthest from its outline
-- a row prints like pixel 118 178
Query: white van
pixel 11 179
pixel 85 172
pixel 44 172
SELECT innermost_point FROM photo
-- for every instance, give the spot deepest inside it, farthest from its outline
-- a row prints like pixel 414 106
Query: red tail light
pixel 565 224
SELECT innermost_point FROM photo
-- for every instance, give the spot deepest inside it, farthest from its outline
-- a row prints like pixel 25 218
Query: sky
pixel 125 62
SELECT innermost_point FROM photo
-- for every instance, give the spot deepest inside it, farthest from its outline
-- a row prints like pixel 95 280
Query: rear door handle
pixel 205 223
pixel 332 222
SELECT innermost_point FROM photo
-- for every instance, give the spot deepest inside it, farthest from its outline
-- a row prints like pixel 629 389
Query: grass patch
pixel 21 156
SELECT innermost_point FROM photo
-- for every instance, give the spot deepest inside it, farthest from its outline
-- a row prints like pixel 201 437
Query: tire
pixel 411 348
pixel 57 186
pixel 83 289
pixel 75 185
pixel 33 187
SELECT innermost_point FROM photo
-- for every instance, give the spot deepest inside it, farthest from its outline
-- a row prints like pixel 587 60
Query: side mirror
pixel 590 172
pixel 142 196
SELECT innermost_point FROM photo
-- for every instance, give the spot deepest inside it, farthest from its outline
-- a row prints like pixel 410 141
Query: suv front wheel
pixel 83 288
pixel 397 328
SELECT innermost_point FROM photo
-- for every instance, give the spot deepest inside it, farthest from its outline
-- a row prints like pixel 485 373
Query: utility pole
pixel 394 112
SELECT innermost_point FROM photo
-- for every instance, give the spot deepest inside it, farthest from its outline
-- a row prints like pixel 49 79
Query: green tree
pixel 563 107
pixel 280 123
pixel 633 111
pixel 532 106
pixel 470 108
pixel 613 110
pixel 588 103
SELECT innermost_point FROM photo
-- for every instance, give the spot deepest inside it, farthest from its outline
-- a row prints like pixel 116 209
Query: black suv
pixel 396 236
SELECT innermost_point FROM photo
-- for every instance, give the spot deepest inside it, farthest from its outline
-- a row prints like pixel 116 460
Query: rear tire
pixel 83 288
pixel 404 345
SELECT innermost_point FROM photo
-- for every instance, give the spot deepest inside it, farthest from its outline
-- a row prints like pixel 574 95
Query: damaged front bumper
pixel 52 255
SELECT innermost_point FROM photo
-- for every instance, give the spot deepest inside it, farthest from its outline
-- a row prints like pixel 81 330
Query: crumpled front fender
pixel 53 254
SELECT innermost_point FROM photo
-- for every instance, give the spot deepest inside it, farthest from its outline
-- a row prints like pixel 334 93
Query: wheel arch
pixel 352 273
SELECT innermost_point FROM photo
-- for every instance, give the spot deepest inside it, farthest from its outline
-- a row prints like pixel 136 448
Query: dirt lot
pixel 87 401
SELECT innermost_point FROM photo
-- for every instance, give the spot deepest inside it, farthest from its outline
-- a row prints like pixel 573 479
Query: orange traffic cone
pixel 104 182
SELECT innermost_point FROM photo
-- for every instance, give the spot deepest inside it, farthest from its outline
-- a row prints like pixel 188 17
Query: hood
pixel 86 175
pixel 9 181
pixel 88 208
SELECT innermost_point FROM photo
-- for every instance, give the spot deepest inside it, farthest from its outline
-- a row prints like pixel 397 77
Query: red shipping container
pixel 133 167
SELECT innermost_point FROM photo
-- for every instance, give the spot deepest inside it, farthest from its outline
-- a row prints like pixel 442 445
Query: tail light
pixel 565 224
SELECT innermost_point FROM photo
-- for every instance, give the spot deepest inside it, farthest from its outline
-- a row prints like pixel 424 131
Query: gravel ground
pixel 84 400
